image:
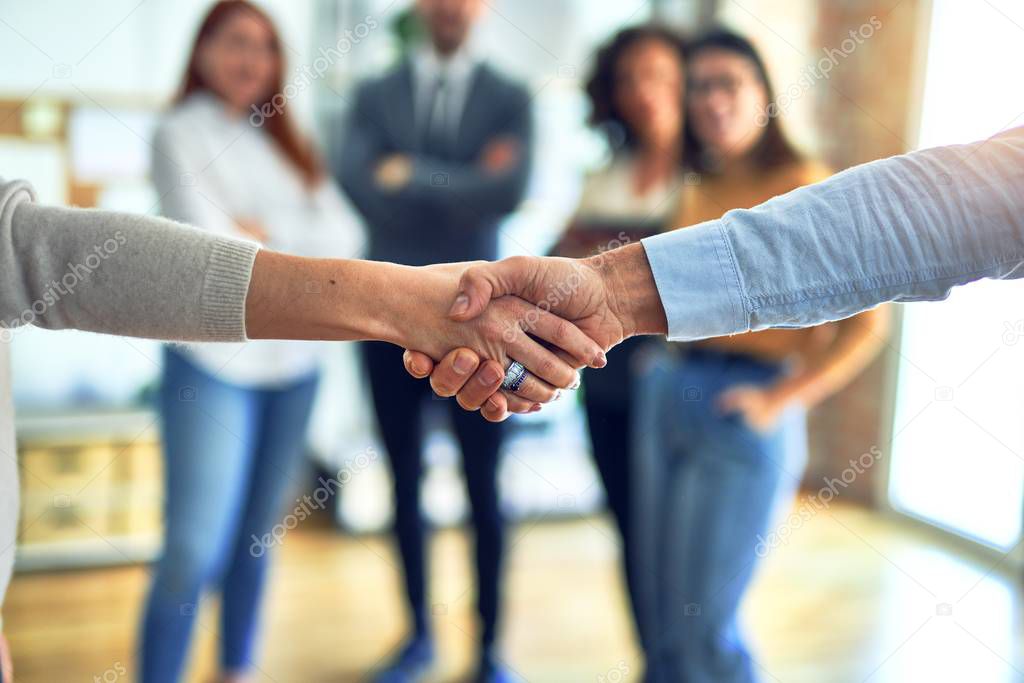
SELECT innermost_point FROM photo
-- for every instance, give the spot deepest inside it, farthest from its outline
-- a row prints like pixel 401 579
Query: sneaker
pixel 410 665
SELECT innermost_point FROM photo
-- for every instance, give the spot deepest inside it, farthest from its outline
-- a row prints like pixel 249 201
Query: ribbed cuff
pixel 228 273
pixel 698 282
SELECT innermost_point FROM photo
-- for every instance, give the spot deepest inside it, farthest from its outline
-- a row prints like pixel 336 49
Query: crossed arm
pixel 390 186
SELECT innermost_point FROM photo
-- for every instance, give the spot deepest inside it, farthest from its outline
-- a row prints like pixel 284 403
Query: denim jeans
pixel 705 486
pixel 229 455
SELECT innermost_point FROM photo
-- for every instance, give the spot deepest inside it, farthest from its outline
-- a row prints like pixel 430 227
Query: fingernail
pixel 493 403
pixel 414 367
pixel 463 363
pixel 601 360
pixel 460 306
pixel 489 375
pixel 575 383
pixel 535 407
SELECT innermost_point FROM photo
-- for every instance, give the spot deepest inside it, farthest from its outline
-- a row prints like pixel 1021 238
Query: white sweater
pixel 211 169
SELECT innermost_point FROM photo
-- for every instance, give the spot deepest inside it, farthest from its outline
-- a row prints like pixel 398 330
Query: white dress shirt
pixel 457 70
pixel 211 169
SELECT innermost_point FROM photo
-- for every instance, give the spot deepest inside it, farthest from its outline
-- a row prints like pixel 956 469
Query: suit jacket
pixel 450 209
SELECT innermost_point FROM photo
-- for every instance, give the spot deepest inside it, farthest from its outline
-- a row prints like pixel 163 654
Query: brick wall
pixel 872 98
pixel 857 105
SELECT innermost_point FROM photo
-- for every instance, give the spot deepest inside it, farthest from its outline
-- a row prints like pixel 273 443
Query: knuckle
pixel 540 396
pixel 517 261
pixel 535 390
pixel 472 278
pixel 493 331
pixel 509 334
pixel 548 368
pixel 564 379
pixel 519 407
pixel 561 332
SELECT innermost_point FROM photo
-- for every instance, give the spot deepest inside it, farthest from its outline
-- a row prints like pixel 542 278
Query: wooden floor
pixel 853 597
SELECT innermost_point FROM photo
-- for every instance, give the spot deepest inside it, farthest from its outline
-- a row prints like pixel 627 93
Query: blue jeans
pixel 705 487
pixel 229 454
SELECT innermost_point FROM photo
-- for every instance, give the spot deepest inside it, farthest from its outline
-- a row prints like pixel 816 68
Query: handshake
pixel 544 317
pixel 502 337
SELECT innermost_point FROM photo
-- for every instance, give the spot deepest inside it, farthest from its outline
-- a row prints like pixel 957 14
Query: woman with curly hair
pixel 636 93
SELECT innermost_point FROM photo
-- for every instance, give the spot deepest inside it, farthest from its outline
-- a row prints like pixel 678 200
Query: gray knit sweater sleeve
pixel 106 272
pixel 131 275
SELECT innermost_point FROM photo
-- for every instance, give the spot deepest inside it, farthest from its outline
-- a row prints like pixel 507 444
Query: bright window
pixel 958 446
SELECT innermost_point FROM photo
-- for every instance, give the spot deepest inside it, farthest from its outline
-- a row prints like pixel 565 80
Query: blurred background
pixel 912 569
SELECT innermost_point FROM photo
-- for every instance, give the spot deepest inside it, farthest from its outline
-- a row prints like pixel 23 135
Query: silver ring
pixel 515 375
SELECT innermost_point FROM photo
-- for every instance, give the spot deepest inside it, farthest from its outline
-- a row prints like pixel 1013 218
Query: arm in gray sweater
pixel 106 272
pixel 123 274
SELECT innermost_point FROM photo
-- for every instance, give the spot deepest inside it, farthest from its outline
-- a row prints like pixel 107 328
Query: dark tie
pixel 435 131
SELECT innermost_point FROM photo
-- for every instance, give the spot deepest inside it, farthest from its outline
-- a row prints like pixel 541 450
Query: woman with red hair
pixel 229 160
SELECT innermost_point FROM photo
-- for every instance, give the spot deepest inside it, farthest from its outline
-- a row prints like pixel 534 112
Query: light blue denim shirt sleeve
pixel 909 228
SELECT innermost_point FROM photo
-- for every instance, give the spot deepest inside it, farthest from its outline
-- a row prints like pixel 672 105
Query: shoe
pixel 492 671
pixel 411 664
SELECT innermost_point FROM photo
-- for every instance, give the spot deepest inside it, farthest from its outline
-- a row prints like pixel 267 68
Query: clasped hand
pixel 570 304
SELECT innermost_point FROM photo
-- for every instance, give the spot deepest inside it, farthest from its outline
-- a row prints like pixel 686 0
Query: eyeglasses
pixel 705 87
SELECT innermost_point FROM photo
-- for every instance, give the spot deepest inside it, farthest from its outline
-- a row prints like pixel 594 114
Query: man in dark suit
pixel 437 153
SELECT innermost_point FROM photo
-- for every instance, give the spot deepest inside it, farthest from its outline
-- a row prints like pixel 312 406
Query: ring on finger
pixel 515 375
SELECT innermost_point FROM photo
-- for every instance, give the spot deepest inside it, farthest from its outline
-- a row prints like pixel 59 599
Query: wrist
pixel 788 390
pixel 411 305
pixel 374 307
pixel 631 292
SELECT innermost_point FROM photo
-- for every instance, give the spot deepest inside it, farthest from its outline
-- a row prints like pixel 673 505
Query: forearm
pixel 292 297
pixel 475 186
pixel 353 156
pixel 358 183
pixel 903 229
pixel 469 185
pixel 824 372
